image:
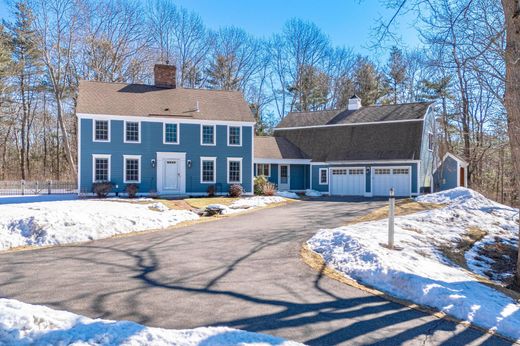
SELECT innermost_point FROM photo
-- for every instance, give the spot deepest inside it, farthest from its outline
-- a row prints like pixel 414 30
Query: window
pixel 234 135
pixel 132 133
pixel 207 169
pixel 234 171
pixel 100 168
pixel 101 131
pixel 382 171
pixel 339 172
pixel 356 171
pixel 263 169
pixel 207 135
pixel 324 176
pixel 132 168
pixel 400 171
pixel 430 141
pixel 171 133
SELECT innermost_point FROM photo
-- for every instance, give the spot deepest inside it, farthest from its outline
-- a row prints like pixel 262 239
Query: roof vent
pixel 354 103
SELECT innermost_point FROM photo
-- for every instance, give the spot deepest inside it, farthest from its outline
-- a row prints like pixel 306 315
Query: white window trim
pixel 207 158
pixel 214 134
pixel 240 137
pixel 327 176
pixel 178 133
pixel 138 132
pixel 269 169
pixel 234 159
pixel 430 135
pixel 94 130
pixel 101 156
pixel 133 157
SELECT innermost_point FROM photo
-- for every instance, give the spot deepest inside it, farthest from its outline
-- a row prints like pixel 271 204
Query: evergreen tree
pixel 222 73
pixel 368 82
pixel 396 73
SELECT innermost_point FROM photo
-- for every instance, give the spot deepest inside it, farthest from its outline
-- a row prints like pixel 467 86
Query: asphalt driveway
pixel 243 272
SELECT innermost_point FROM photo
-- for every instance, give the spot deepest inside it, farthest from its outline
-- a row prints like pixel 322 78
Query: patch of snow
pixel 25 324
pixel 312 193
pixel 256 201
pixel 12 199
pixel 158 206
pixel 287 194
pixel 63 222
pixel 130 200
pixel 420 272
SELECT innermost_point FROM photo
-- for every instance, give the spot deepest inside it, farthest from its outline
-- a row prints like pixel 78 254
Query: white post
pixel 391 212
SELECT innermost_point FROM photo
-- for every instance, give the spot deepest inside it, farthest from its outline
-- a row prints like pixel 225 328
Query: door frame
pixel 331 185
pixel 163 156
pixel 288 176
pixel 373 177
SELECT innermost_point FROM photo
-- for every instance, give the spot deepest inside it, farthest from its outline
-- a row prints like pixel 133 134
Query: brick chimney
pixel 165 76
pixel 354 103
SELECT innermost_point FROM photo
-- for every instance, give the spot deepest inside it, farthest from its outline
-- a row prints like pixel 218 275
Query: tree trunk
pixel 512 93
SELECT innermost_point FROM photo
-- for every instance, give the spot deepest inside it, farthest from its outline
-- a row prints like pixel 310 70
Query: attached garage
pixel 347 181
pixel 385 178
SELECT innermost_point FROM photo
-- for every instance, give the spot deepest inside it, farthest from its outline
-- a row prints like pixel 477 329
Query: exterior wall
pixel 445 177
pixel 428 157
pixel 299 175
pixel 316 179
pixel 152 142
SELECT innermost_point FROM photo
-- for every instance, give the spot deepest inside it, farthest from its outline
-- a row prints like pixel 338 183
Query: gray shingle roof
pixel 268 147
pixel 386 141
pixel 145 100
pixel 406 111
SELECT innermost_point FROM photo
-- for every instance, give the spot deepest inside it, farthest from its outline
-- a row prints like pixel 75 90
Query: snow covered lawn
pixel 63 222
pixel 24 324
pixel 246 203
pixel 421 272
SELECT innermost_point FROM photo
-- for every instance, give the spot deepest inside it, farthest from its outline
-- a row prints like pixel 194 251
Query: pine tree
pixel 396 72
pixel 222 73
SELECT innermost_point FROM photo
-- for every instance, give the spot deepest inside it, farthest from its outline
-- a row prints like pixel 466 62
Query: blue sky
pixel 347 22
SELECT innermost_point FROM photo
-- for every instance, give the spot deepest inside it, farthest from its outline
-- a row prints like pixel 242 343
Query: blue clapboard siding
pixel 445 177
pixel 152 142
pixel 299 177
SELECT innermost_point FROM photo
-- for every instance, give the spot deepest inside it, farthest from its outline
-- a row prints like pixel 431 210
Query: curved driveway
pixel 243 272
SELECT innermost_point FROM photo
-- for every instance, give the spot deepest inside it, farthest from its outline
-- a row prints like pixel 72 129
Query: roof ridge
pixel 154 86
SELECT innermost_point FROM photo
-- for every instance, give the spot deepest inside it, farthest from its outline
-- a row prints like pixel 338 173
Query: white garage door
pixel 384 178
pixel 347 181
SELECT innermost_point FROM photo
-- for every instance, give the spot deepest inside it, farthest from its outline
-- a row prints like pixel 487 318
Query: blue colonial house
pixel 176 141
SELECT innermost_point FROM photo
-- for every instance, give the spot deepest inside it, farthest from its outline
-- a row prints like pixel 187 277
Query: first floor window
pixel 234 135
pixel 234 171
pixel 171 133
pixel 131 131
pixel 101 168
pixel 208 134
pixel 208 170
pixel 262 169
pixel 101 130
pixel 324 177
pixel 132 169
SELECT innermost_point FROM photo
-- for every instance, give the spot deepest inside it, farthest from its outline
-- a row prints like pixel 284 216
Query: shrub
pixel 269 189
pixel 259 184
pixel 131 190
pixel 236 190
pixel 102 189
pixel 211 191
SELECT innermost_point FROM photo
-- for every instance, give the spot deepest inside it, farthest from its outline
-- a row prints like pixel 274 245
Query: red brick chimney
pixel 165 76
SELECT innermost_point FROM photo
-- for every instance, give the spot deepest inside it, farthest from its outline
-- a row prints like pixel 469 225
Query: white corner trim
pixel 138 132
pixel 207 158
pixel 101 156
pixel 240 136
pixel 234 159
pixel 94 131
pixel 214 134
pixel 132 157
pixel 178 132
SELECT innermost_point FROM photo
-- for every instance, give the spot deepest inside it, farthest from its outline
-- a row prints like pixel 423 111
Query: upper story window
pixel 324 176
pixel 262 169
pixel 101 168
pixel 132 132
pixel 234 135
pixel 430 141
pixel 101 130
pixel 234 171
pixel 207 135
pixel 171 133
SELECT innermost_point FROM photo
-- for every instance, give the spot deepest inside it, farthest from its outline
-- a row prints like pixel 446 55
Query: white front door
pixel 171 173
pixel 398 178
pixel 283 178
pixel 347 181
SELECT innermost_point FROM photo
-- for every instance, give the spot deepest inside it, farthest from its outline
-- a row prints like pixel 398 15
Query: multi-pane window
pixel 132 169
pixel 262 169
pixel 234 171
pixel 382 171
pixel 171 133
pixel 356 171
pixel 131 131
pixel 234 135
pixel 324 177
pixel 101 169
pixel 101 130
pixel 208 134
pixel 207 170
pixel 400 171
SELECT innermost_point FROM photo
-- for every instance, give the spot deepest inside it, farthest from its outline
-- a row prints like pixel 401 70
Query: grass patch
pixel 456 253
pixel 402 207
pixel 203 202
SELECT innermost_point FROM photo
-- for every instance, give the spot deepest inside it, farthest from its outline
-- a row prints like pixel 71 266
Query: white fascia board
pixel 460 161
pixel 373 162
pixel 158 119
pixel 283 161
pixel 354 124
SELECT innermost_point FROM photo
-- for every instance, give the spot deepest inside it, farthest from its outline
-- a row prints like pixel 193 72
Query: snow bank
pixel 24 324
pixel 53 223
pixel 312 193
pixel 256 201
pixel 287 194
pixel 420 272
